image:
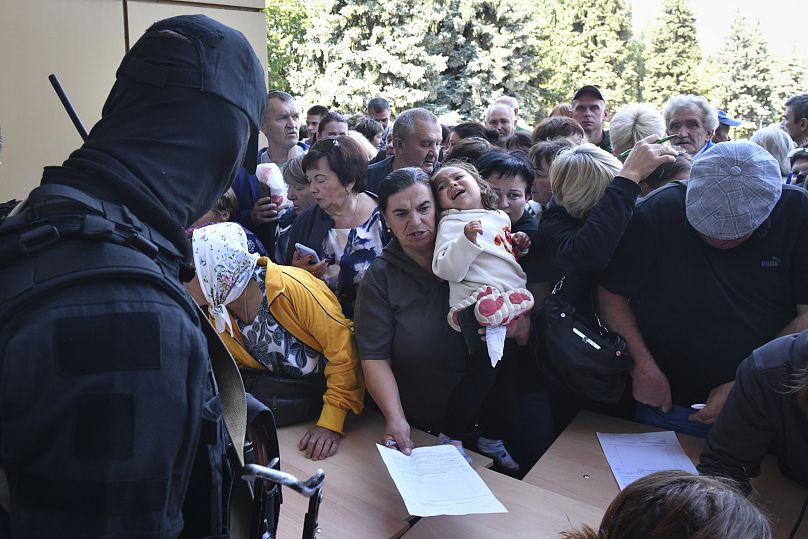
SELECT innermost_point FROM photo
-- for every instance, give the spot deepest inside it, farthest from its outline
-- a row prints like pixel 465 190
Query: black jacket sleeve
pixel 759 415
pixel 587 246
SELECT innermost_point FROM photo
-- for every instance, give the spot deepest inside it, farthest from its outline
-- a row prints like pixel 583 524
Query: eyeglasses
pixel 326 145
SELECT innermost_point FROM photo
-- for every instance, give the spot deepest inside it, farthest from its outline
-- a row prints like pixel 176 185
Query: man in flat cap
pixel 707 271
pixel 110 423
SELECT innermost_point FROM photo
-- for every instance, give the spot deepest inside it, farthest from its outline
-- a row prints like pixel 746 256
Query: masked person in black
pixel 110 422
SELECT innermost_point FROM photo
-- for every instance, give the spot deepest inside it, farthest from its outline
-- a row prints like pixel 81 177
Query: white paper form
pixel 632 456
pixel 437 480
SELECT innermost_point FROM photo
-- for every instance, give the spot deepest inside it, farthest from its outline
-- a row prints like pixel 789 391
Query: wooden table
pixel 533 512
pixel 360 498
pixel 576 468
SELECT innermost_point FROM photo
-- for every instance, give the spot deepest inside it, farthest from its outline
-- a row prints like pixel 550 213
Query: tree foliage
pixel 790 78
pixel 672 56
pixel 459 55
pixel 492 48
pixel 287 24
pixel 598 36
pixel 743 83
pixel 454 55
pixel 360 49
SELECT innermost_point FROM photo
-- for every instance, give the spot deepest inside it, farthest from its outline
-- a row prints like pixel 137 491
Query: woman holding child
pixel 411 357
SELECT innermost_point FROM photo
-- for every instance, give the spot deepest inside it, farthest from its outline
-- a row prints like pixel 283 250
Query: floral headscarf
pixel 224 267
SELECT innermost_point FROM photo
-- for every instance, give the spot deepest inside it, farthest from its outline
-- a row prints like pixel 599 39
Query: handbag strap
pixel 234 406
pixel 595 304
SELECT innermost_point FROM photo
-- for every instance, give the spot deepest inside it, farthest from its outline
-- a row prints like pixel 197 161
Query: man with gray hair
pixel 707 271
pixel 513 103
pixel 693 122
pixel 417 138
pixel 501 117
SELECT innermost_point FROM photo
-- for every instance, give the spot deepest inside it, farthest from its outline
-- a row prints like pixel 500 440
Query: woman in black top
pixel 594 200
pixel 766 411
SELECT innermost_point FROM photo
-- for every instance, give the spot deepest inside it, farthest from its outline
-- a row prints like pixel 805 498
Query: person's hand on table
pixel 319 443
pixel 650 386
pixel 397 436
pixel 715 403
pixel 307 263
pixel 264 211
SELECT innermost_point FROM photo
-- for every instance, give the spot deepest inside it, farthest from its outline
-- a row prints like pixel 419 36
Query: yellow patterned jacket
pixel 305 307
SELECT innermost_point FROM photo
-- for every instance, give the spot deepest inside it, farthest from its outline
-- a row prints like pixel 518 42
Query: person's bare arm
pixel 381 384
pixel 798 324
pixel 650 385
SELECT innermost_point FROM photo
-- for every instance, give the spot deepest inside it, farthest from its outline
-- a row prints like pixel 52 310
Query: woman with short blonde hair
pixel 595 197
pixel 579 177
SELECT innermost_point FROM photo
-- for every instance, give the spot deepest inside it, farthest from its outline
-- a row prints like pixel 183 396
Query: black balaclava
pixel 181 119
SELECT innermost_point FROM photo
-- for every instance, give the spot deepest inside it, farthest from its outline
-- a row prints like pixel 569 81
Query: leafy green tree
pixel 743 84
pixel 672 56
pixel 598 44
pixel 453 55
pixel 493 47
pixel 638 48
pixel 553 29
pixel 287 24
pixel 790 78
pixel 360 49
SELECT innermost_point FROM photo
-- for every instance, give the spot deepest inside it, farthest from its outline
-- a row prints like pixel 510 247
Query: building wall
pixel 82 42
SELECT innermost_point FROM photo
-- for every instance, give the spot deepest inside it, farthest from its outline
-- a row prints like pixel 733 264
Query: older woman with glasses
pixel 344 228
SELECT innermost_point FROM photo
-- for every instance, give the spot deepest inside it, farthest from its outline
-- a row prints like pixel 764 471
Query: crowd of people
pixel 682 248
pixel 410 259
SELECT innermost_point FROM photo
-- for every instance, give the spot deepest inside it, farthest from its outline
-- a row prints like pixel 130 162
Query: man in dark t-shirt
pixel 705 274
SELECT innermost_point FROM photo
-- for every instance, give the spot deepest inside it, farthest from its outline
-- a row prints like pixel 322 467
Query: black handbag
pixel 292 400
pixel 580 354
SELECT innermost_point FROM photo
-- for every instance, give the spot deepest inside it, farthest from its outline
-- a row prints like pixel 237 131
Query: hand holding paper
pixel 437 480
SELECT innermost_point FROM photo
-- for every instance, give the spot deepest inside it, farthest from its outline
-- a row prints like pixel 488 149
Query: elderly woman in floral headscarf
pixel 282 319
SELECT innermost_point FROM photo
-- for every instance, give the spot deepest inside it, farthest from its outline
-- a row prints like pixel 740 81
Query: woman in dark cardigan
pixel 345 227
